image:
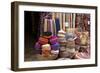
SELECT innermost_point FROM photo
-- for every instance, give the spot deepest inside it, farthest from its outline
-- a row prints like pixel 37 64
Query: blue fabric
pixel 55 46
pixel 57 24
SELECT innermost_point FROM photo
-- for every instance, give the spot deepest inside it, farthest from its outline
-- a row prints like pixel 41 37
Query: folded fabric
pixel 84 38
pixel 47 37
pixel 67 54
pixel 54 51
pixel 62 48
pixel 81 55
pixel 46 47
pixel 43 40
pixel 53 40
pixel 71 36
pixel 62 39
pixel 70 44
pixel 55 46
pixel 77 41
pixel 46 50
pixel 71 50
pixel 37 46
pixel 61 33
pixel 64 54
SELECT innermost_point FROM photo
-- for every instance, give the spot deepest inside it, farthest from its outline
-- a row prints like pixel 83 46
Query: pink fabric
pixel 83 55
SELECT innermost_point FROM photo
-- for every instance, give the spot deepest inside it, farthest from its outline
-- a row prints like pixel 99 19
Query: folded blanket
pixel 46 50
pixel 55 52
pixel 70 44
pixel 61 34
pixel 61 40
pixel 53 40
pixel 82 55
pixel 55 46
pixel 43 41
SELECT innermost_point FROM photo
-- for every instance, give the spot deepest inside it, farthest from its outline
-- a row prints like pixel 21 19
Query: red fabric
pixel 43 41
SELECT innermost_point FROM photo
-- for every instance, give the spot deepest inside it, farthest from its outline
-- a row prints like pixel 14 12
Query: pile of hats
pixel 47 45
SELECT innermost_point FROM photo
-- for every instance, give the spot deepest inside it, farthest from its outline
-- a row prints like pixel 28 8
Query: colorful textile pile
pixel 48 44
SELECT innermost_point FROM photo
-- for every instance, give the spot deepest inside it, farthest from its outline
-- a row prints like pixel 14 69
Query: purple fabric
pixel 55 46
pixel 37 46
pixel 53 40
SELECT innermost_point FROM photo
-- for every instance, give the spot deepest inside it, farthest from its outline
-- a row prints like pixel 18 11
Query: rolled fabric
pixel 55 46
pixel 43 40
pixel 53 39
pixel 46 50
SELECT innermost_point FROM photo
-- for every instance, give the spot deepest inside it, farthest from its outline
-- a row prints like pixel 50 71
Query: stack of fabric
pixel 46 50
pixel 67 43
pixel 62 40
pixel 47 45
pixel 70 45
pixel 61 36
pixel 54 45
